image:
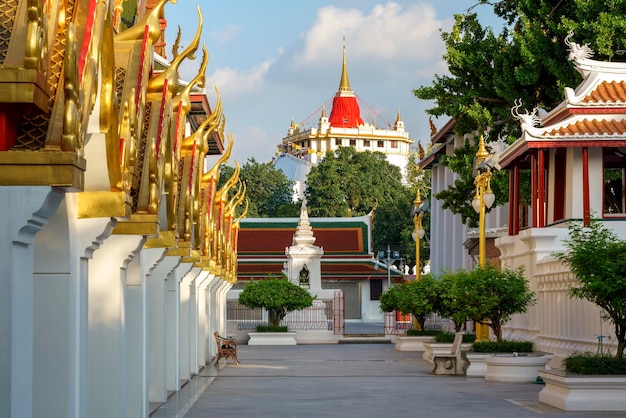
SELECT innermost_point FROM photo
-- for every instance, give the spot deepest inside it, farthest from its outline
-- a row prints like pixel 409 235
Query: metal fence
pixel 398 324
pixel 320 316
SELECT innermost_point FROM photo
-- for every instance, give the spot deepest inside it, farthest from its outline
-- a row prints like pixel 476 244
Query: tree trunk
pixel 274 317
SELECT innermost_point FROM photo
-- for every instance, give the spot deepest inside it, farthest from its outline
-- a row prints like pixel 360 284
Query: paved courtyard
pixel 348 380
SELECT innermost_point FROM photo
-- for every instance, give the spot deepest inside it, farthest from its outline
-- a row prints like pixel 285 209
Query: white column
pixel 106 312
pixel 186 323
pixel 158 327
pixel 25 211
pixel 203 326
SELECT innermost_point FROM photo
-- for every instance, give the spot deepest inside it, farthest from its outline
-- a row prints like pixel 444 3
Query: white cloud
pixel 390 35
pixel 233 82
pixel 226 34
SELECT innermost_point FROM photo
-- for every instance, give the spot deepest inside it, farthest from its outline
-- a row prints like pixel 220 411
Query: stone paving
pixel 348 380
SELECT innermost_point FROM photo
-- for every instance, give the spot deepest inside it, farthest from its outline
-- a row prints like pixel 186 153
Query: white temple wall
pixel 557 323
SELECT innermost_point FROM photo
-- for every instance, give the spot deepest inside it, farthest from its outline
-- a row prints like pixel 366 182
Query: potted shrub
pixel 278 296
pixel 490 296
pixel 415 298
pixel 597 257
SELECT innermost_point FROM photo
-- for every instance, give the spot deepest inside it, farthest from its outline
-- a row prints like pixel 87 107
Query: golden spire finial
pixel 151 20
pixel 323 111
pixel 344 84
pixel 155 84
pixel 399 118
pixel 482 152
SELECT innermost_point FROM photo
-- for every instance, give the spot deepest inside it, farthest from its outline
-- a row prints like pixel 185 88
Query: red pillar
pixel 586 204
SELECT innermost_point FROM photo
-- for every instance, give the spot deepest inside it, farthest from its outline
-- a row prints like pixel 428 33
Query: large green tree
pixel 268 190
pixel 527 59
pixel 351 183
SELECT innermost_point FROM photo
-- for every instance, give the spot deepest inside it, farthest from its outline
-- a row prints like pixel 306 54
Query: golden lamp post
pixel 418 232
pixel 483 199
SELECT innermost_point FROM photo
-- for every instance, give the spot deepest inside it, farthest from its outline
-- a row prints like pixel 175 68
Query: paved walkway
pixel 348 380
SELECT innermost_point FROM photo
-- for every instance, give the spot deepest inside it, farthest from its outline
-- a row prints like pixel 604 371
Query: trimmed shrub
pixel 421 332
pixel 502 346
pixel 272 328
pixel 593 364
pixel 448 337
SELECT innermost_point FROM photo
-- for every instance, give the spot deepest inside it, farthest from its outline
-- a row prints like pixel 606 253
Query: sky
pixel 274 60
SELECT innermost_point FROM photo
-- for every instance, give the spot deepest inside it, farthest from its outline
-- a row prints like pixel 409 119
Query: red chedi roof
pixel 345 113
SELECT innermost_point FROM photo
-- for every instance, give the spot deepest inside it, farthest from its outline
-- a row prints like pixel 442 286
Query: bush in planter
pixel 271 328
pixel 415 298
pixel 502 346
pixel 491 296
pixel 277 296
pixel 592 364
pixel 598 260
pixel 448 337
pixel 421 332
pixel 449 302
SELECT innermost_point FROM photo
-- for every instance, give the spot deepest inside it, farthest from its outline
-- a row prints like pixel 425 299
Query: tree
pixel 598 260
pixel 352 183
pixel 268 190
pixel 527 60
pixel 492 296
pixel 415 298
pixel 450 302
pixel 278 296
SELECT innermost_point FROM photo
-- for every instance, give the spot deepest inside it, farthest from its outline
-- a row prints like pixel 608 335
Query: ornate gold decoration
pixel 151 20
pixel 171 73
pixel 71 114
pixel 35 37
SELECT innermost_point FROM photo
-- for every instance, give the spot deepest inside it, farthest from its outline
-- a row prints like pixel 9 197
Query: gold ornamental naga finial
pixel 155 84
pixel 182 101
pixel 151 20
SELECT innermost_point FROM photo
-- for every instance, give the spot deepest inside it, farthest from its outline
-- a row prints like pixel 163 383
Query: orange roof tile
pixel 608 92
pixel 591 127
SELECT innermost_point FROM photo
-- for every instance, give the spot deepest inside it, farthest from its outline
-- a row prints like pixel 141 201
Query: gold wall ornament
pixel 72 137
pixel 36 37
pixel 181 106
pixel 109 109
pixel 151 20
pixel 171 73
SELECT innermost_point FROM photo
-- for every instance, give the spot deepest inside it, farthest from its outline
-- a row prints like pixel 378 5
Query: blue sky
pixel 277 59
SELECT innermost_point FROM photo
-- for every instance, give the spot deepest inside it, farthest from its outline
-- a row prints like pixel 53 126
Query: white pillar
pixel 106 312
pixel 186 306
pixel 25 211
pixel 158 327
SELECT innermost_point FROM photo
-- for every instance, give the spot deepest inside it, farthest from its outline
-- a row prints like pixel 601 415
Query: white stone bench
pixel 455 363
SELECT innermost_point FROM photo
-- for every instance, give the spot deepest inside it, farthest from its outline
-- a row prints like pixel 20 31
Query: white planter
pixel 272 338
pixel 583 393
pixel 414 343
pixel 436 349
pixel 477 367
pixel 511 368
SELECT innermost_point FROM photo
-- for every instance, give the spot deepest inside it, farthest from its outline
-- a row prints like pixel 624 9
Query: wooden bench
pixel 455 363
pixel 226 348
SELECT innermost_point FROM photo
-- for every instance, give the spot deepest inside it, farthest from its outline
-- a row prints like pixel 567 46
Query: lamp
pixel 388 257
pixel 418 232
pixel 483 199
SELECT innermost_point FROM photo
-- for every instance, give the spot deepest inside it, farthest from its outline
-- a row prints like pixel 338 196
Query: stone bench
pixel 226 348
pixel 455 363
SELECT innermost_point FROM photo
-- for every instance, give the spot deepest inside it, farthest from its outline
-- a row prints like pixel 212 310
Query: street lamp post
pixel 389 258
pixel 483 199
pixel 418 232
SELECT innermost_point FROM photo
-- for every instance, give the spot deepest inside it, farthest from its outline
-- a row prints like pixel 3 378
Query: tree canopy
pixel 268 190
pixel 527 60
pixel 351 183
pixel 278 296
pixel 415 298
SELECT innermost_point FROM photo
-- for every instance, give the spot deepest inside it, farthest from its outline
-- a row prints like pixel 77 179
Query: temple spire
pixel 344 84
pixel 304 232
